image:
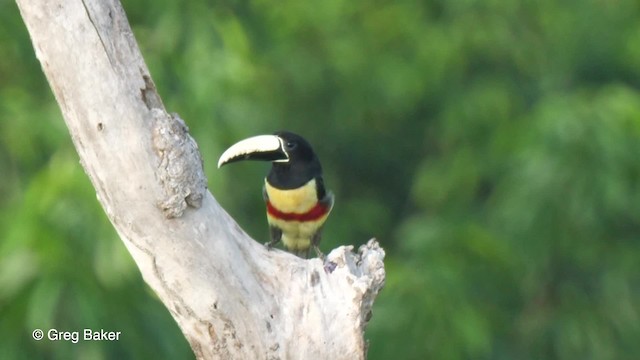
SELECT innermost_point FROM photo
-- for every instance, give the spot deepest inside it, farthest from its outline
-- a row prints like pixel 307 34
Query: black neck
pixel 288 175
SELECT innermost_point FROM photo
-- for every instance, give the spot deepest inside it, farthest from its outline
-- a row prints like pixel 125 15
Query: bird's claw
pixel 319 253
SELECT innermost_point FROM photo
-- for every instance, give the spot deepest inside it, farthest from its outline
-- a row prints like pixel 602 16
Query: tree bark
pixel 231 297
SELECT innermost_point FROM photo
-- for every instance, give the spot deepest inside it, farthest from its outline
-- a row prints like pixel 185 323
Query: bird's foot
pixel 319 253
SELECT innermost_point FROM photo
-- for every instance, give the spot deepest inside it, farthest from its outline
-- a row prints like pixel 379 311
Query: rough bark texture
pixel 231 297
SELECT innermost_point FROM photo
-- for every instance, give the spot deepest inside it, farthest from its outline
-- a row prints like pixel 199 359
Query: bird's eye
pixel 290 145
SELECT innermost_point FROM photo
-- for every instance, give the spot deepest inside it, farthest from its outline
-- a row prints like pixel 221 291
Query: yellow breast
pixel 298 200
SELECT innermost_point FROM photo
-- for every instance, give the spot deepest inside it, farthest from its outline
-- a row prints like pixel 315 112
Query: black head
pixel 293 159
pixel 295 147
pixel 302 165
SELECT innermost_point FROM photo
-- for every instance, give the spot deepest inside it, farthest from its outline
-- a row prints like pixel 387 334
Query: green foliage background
pixel 493 147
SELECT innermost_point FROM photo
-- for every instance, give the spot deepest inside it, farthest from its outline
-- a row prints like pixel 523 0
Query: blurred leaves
pixel 492 147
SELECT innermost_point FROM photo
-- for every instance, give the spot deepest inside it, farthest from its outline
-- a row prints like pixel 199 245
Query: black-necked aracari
pixel 297 202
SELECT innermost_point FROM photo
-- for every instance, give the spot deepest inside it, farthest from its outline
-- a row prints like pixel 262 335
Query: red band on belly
pixel 313 214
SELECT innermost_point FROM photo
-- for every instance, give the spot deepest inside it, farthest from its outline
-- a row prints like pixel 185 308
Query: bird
pixel 297 201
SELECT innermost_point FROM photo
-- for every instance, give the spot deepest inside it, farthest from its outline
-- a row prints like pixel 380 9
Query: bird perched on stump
pixel 297 202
